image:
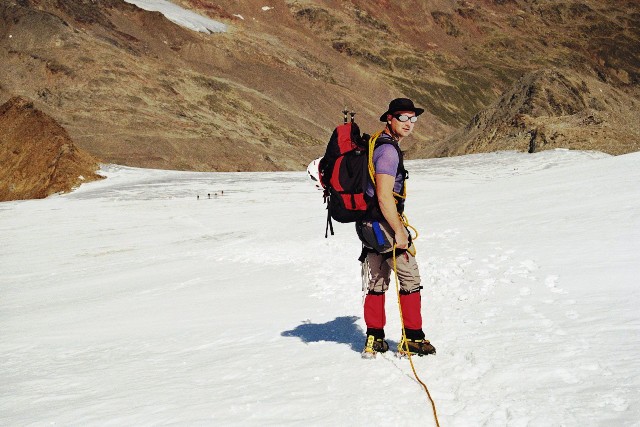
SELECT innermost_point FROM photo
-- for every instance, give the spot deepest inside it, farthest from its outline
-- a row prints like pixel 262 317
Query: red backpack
pixel 344 174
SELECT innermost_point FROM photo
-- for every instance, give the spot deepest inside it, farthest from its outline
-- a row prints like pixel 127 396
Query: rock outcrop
pixel 553 109
pixel 37 157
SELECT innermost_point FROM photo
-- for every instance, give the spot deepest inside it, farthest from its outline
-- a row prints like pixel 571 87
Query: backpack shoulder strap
pixel 378 139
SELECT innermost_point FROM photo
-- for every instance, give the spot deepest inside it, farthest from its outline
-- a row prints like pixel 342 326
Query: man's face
pixel 400 128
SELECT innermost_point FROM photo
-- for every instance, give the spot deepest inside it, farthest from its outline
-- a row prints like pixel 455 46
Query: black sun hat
pixel 401 104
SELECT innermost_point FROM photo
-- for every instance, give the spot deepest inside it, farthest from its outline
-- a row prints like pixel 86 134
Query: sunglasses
pixel 404 118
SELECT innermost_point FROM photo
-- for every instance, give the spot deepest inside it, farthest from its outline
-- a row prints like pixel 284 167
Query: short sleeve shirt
pixel 385 161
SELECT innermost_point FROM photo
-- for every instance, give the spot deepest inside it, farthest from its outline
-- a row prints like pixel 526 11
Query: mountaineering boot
pixel 420 347
pixel 374 346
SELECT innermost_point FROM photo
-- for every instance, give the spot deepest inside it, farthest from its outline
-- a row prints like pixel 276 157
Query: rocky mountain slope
pixel 134 88
pixel 550 109
pixel 37 156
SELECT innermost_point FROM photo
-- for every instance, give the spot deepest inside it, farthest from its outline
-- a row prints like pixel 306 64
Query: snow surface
pixel 181 16
pixel 130 302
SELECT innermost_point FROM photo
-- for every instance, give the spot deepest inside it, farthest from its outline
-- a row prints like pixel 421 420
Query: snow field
pixel 128 301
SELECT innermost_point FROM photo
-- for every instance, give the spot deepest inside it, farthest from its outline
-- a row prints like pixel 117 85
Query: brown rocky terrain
pixel 550 109
pixel 37 156
pixel 133 88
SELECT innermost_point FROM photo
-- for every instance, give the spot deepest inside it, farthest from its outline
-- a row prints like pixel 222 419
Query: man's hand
pixel 402 239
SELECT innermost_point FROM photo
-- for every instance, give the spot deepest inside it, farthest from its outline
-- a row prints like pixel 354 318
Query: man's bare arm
pixel 384 191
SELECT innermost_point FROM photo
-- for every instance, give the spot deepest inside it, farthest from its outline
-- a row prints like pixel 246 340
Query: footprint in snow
pixel 567 376
pixel 482 272
pixel 572 314
pixel 487 285
pixel 523 270
pixel 490 313
pixel 552 284
pixel 617 403
pixel 542 338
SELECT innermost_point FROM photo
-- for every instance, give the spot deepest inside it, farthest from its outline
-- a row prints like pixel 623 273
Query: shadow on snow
pixel 342 330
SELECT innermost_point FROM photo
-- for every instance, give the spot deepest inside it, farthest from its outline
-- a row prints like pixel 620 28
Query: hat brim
pixel 418 111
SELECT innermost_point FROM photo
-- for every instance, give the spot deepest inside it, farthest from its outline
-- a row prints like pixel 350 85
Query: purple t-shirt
pixel 385 161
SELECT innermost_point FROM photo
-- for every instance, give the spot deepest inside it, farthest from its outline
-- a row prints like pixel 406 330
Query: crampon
pixel 415 348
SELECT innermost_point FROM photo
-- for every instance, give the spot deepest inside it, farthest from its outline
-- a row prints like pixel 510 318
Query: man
pixel 384 227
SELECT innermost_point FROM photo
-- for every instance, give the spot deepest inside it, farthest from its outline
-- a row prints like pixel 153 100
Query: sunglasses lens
pixel 403 118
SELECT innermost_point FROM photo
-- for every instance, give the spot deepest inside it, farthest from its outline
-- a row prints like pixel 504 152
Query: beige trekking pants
pixel 377 268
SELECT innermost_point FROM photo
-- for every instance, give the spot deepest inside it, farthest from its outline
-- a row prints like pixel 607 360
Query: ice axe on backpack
pixel 346 113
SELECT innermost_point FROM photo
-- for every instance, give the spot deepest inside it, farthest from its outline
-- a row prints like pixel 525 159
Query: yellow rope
pixel 372 169
pixel 411 249
pixel 372 144
pixel 405 221
pixel 404 336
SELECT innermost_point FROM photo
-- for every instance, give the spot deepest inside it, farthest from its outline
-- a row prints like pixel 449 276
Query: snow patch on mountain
pixel 181 16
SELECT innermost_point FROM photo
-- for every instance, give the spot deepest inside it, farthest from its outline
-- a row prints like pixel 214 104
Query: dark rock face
pixel 37 156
